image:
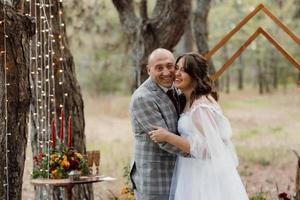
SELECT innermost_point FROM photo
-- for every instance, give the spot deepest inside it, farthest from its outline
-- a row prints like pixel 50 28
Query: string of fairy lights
pixel 42 75
pixel 42 70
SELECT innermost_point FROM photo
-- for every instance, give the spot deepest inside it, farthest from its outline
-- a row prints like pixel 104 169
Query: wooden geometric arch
pixel 259 31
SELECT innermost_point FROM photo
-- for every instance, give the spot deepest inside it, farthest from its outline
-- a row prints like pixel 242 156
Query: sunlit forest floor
pixel 265 127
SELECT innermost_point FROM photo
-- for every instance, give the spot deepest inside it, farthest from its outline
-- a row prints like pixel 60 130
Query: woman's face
pixel 183 80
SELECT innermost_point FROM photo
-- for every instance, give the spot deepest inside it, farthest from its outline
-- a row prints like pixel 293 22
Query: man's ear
pixel 148 69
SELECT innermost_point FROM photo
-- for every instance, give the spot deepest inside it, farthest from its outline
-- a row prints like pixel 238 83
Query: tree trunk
pixel 200 30
pixel 298 180
pixel 186 42
pixel 297 185
pixel 274 66
pixel 284 79
pixel 274 57
pixel 267 78
pixel 227 73
pixel 266 71
pixel 227 82
pixel 241 73
pixel 163 29
pixel 221 84
pixel 188 37
pixel 297 12
pixel 260 76
pixel 67 94
pixel 13 137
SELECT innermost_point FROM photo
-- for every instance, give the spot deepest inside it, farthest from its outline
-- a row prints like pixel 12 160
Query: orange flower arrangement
pixel 59 164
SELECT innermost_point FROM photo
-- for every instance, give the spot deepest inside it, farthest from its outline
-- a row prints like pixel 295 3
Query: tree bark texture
pixel 297 12
pixel 297 181
pixel 274 65
pixel 163 29
pixel 73 103
pixel 241 73
pixel 227 73
pixel 260 76
pixel 200 29
pixel 186 42
pixel 18 29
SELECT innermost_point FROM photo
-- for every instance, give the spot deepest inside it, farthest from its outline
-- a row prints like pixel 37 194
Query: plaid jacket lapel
pixel 162 95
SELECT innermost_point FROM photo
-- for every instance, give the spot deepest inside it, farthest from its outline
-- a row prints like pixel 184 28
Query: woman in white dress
pixel 210 173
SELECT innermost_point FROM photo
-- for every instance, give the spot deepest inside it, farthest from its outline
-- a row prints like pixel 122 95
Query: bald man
pixel 154 103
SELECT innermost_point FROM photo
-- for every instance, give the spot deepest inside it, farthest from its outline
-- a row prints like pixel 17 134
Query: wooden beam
pixel 235 55
pixel 233 31
pixel 244 21
pixel 280 48
pixel 282 26
pixel 251 38
pixel 247 43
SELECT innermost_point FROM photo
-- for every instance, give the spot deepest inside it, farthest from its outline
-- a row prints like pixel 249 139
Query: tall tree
pixel 297 12
pixel 73 103
pixel 267 69
pixel 186 42
pixel 16 101
pixel 163 29
pixel 297 177
pixel 240 67
pixel 241 72
pixel 227 77
pixel 261 68
pixel 200 28
pixel 274 61
pixel 67 91
pixel 274 64
pixel 260 76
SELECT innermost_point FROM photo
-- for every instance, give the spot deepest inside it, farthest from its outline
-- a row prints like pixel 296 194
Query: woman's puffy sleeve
pixel 197 140
pixel 211 135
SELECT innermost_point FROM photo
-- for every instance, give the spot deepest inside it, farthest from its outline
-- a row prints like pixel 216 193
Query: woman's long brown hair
pixel 196 66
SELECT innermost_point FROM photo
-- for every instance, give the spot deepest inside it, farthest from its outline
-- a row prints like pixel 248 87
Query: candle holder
pixel 90 161
pixel 96 155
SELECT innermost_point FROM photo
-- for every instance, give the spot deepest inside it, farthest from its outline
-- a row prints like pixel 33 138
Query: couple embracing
pixel 183 148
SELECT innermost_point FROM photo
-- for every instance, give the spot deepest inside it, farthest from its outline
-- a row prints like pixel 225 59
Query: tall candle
pixel 53 133
pixel 69 131
pixel 62 125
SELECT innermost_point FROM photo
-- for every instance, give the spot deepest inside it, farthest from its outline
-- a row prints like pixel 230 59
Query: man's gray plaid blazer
pixel 152 170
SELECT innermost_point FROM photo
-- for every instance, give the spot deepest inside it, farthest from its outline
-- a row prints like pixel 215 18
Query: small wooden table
pixel 68 184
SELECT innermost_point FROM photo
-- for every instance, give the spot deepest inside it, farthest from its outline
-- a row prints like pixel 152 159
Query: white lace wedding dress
pixel 211 172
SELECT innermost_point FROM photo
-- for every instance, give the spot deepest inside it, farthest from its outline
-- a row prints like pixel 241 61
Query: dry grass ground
pixel 265 129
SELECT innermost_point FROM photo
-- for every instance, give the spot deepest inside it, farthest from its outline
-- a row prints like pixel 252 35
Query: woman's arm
pixel 163 135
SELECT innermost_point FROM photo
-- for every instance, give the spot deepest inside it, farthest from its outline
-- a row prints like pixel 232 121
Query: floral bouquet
pixel 59 164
